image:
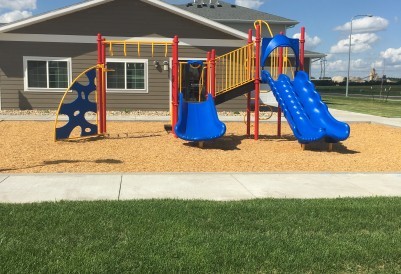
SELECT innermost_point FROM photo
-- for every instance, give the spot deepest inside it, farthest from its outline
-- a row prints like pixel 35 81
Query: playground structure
pixel 96 75
pixel 223 78
pixel 238 72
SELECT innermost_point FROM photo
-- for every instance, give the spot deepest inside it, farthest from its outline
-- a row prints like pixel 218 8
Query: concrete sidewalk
pixel 205 186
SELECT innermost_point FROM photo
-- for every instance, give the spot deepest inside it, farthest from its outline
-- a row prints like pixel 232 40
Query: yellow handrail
pixel 124 43
pixel 235 68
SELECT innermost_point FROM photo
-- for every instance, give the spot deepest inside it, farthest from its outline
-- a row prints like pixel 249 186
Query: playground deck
pixel 28 147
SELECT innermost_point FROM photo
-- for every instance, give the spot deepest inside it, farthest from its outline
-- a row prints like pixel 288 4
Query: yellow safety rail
pixel 138 44
pixel 261 23
pixel 274 63
pixel 235 68
pixel 287 64
pixel 201 82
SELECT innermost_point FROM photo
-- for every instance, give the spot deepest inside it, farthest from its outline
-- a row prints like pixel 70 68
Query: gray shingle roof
pixel 229 12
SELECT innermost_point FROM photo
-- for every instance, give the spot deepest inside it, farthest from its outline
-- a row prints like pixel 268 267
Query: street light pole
pixel 349 50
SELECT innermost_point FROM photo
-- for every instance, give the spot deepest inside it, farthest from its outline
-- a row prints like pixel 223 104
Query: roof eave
pixel 51 15
pixel 283 22
pixel 315 55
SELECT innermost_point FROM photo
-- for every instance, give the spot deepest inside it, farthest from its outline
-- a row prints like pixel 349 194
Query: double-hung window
pixel 46 73
pixel 127 75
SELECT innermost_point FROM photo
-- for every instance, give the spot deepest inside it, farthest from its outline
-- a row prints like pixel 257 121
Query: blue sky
pixel 376 41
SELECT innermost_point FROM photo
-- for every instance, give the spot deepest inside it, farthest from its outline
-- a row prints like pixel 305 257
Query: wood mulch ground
pixel 28 147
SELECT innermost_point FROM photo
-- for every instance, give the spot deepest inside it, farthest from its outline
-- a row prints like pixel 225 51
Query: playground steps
pixel 233 93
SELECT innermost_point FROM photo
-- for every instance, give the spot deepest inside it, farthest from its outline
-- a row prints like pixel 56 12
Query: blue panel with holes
pixel 78 108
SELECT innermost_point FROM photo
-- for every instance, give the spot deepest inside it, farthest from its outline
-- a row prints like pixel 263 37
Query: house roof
pixel 92 3
pixel 226 12
pixel 206 15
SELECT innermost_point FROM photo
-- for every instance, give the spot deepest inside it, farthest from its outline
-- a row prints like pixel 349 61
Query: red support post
pixel 174 83
pixel 257 80
pixel 249 94
pixel 213 73
pixel 208 58
pixel 99 97
pixel 302 50
pixel 280 71
pixel 104 96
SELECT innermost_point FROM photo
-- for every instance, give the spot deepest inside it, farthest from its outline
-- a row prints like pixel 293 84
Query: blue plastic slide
pixel 198 121
pixel 308 117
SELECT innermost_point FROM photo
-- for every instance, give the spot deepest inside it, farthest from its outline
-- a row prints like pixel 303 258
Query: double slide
pixel 306 113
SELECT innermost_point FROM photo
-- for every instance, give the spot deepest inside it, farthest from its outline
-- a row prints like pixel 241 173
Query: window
pixel 49 73
pixel 127 75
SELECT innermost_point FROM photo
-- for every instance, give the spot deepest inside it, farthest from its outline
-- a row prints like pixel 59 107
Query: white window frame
pixel 47 59
pixel 125 61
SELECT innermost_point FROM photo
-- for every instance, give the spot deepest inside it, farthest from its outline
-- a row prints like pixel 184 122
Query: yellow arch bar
pixel 260 23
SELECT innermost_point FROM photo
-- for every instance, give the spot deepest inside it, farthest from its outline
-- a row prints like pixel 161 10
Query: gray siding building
pixel 41 55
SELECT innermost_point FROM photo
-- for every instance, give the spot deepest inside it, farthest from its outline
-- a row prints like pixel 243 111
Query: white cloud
pixel 14 15
pixel 365 24
pixel 330 68
pixel 339 67
pixel 336 66
pixel 18 4
pixel 392 56
pixel 359 64
pixel 360 42
pixel 252 4
pixel 310 42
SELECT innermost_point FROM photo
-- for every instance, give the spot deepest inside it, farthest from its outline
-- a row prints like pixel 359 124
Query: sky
pixel 376 40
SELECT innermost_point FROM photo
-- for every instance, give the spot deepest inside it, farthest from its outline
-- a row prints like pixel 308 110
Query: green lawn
pixel 364 99
pixel 170 236
pixel 376 90
pixel 391 109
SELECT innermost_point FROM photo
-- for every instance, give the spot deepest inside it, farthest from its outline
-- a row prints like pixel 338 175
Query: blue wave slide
pixel 198 121
pixel 306 113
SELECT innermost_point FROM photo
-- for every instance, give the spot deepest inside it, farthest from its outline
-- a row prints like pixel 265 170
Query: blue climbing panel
pixel 77 109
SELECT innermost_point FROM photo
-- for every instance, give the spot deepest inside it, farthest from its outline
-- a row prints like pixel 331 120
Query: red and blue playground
pixel 137 146
pixel 222 78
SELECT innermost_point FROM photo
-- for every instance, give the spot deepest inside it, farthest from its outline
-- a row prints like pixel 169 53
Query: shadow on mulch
pixel 62 161
pixel 323 146
pixel 224 143
pixel 124 135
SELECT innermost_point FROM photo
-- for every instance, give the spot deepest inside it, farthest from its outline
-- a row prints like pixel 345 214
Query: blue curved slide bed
pixel 306 113
pixel 198 121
